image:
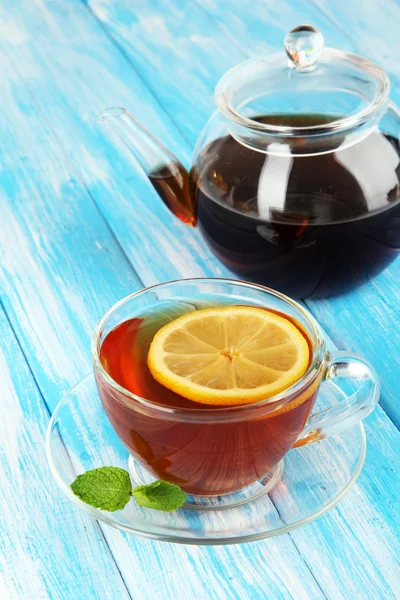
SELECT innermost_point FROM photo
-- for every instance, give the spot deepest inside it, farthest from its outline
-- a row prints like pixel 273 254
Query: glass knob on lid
pixel 303 45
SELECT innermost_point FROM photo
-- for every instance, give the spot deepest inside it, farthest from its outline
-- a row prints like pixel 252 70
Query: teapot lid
pixel 339 89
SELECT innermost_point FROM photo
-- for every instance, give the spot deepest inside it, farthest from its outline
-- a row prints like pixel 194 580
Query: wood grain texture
pixel 371 30
pixel 64 69
pixel 49 548
pixel 64 272
pixel 356 549
pixel 71 90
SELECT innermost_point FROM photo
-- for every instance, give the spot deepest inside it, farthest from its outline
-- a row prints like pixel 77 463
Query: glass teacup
pixel 212 451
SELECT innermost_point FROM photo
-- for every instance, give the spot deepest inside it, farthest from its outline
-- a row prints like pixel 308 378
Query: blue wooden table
pixel 78 223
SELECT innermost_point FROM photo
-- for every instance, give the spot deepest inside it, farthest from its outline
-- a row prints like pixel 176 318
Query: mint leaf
pixel 108 488
pixel 159 495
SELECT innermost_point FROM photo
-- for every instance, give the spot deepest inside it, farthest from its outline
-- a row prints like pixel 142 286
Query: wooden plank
pixel 65 270
pixel 49 547
pixel 190 39
pixel 56 249
pixel 177 49
pixel 356 546
pixel 85 61
pixel 372 30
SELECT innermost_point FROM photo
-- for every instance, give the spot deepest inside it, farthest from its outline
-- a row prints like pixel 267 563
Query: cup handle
pixel 347 412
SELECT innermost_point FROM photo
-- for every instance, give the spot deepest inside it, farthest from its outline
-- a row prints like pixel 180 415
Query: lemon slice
pixel 228 356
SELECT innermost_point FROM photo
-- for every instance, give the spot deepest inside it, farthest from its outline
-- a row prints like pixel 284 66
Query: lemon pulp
pixel 228 356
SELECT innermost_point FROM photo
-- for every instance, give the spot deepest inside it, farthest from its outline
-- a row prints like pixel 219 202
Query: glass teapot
pixel 295 178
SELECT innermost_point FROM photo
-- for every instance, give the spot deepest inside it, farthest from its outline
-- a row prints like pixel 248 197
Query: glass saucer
pixel 314 478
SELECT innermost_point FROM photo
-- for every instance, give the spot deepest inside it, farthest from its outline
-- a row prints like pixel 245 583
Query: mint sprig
pixel 110 488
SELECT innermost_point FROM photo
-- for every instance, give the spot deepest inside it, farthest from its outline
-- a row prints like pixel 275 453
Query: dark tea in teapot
pixel 294 182
pixel 313 225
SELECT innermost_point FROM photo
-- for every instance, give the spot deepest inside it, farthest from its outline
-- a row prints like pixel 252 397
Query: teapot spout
pixel 167 174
